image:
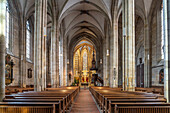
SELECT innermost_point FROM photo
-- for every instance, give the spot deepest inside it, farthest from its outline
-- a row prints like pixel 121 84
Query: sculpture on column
pixel 161 76
pixel 93 70
pixel 8 70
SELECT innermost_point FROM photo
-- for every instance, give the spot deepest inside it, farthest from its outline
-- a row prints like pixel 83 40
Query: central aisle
pixel 84 103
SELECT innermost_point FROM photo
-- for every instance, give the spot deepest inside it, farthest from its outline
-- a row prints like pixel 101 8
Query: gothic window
pixel 162 32
pixel 85 60
pixel 76 63
pixel 7 33
pixel 28 40
pixel 59 54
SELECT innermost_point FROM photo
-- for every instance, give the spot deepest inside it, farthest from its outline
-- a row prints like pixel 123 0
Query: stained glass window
pixel 28 40
pixel 85 60
pixel 162 33
pixel 7 26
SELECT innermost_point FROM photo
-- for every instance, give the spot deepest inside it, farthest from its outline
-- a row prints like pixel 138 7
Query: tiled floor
pixel 84 103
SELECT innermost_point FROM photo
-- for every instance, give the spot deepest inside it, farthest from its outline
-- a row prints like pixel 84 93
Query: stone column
pixel 61 62
pixel 107 58
pixel 147 54
pixel 64 62
pixel 49 58
pixel 44 47
pixel 128 45
pixel 104 63
pixel 40 45
pixel 2 49
pixel 23 74
pixel 166 6
pixel 111 58
pixel 57 59
pixel 115 53
pixel 53 53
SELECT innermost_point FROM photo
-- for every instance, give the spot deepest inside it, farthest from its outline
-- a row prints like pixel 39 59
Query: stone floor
pixel 84 103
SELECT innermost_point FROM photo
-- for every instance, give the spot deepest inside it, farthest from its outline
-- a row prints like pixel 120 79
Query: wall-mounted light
pixel 124 32
pixel 21 57
pixel 148 56
pixel 45 31
pixel 101 61
pixel 107 53
pixel 68 61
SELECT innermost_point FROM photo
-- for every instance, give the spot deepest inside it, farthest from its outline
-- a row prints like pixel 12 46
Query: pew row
pixel 29 107
pixel 105 97
pixel 64 96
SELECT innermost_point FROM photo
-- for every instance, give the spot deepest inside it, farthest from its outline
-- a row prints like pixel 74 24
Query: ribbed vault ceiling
pixel 82 16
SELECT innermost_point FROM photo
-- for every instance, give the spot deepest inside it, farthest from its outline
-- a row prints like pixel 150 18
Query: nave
pixel 51 49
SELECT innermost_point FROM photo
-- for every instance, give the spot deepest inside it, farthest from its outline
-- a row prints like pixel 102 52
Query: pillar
pixel 61 62
pixel 22 70
pixel 57 59
pixel 128 45
pixel 115 53
pixel 166 6
pixel 107 59
pixel 64 62
pixel 147 54
pixel 2 49
pixel 111 58
pixel 54 53
pixel 49 59
pixel 104 62
pixel 40 45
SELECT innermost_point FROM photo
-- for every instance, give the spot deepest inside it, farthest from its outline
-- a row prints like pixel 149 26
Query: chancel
pixel 84 56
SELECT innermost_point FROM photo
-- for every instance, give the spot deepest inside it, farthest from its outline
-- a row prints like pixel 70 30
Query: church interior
pixel 84 56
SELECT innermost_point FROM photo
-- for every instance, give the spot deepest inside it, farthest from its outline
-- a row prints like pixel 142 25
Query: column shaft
pixel 104 63
pixel 23 77
pixel 107 58
pixel 64 62
pixel 115 53
pixel 128 45
pixel 111 58
pixel 61 63
pixel 147 55
pixel 166 6
pixel 40 45
pixel 57 59
pixel 53 53
pixel 2 49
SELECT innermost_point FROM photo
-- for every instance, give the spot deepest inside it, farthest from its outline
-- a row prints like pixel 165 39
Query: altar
pixel 85 84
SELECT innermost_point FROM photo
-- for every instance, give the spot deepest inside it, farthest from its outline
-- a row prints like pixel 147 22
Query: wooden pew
pixel 105 96
pixel 64 96
pixel 157 90
pixel 29 107
pixel 40 101
pixel 139 108
pixel 12 90
pixel 132 101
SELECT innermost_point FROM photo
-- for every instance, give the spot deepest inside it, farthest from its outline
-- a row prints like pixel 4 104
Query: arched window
pixel 59 54
pixel 28 40
pixel 7 27
pixel 85 60
pixel 76 64
pixel 162 32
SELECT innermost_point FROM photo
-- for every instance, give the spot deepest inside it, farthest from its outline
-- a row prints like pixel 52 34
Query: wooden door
pixel 140 75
